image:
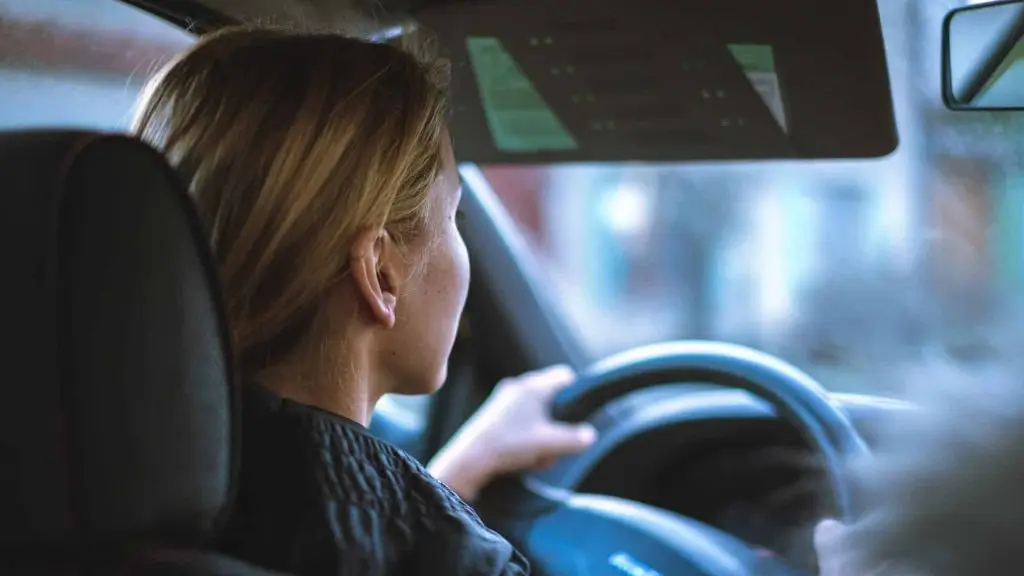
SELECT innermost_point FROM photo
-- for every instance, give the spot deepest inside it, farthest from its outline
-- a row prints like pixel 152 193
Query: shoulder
pixel 318 487
pixel 338 460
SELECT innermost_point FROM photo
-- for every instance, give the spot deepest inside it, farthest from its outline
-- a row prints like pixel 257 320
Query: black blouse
pixel 319 496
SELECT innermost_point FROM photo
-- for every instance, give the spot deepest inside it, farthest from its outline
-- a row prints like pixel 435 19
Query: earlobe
pixel 390 303
pixel 366 262
pixel 388 300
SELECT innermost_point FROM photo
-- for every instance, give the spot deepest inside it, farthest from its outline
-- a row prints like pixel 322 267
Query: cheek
pixel 456 271
pixel 462 262
pixel 447 273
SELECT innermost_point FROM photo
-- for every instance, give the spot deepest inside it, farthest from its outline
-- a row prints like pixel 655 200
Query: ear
pixel 371 262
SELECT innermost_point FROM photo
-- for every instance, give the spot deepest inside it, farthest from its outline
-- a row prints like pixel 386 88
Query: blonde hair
pixel 291 143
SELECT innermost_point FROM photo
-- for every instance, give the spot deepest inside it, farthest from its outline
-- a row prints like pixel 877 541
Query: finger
pixel 562 439
pixel 827 534
pixel 557 372
pixel 545 463
pixel 554 378
pixel 832 560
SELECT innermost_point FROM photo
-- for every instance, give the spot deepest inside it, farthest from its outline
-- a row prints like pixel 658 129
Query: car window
pixel 845 268
pixel 77 64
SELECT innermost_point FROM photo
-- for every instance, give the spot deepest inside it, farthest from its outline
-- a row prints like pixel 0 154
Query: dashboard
pixel 718 455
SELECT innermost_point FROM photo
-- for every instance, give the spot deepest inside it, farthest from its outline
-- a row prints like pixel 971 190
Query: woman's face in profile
pixel 427 316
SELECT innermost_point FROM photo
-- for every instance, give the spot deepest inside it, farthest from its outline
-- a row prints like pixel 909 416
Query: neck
pixel 341 385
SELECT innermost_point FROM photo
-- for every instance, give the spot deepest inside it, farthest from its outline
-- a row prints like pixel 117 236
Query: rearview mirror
pixel 983 57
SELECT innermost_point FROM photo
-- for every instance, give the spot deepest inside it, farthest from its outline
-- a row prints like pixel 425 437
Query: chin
pixel 425 384
pixel 439 380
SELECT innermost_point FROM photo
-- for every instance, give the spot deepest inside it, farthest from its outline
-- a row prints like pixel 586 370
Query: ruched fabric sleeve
pixel 321 496
pixel 458 542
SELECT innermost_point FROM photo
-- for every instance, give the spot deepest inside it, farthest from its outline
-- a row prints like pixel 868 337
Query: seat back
pixel 117 421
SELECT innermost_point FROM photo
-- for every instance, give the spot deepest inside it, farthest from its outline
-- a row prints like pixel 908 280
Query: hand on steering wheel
pixel 512 431
pixel 563 532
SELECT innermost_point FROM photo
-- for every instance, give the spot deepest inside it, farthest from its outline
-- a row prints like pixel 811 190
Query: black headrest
pixel 116 408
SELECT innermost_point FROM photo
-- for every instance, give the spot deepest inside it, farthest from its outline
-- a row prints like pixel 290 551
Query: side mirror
pixel 983 57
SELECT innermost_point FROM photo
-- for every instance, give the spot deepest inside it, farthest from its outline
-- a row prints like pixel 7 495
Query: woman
pixel 323 171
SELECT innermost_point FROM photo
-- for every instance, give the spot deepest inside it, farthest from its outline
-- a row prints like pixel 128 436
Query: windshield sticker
pixel 758 63
pixel 518 117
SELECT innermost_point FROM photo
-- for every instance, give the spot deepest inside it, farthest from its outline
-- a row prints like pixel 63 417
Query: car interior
pixel 120 428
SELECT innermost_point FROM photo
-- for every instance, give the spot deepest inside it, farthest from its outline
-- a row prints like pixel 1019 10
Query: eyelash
pixel 460 215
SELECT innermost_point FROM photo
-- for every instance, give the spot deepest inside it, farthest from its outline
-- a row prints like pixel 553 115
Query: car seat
pixel 118 435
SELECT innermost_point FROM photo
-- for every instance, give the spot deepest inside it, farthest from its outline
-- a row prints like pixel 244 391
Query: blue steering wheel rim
pixel 796 396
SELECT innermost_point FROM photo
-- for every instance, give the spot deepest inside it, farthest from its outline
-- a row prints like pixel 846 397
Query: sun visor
pixel 541 81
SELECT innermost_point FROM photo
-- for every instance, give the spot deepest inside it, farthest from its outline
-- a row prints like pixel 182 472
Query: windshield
pixel 839 267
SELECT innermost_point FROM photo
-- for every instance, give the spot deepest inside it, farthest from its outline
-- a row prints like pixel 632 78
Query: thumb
pixel 562 439
pixel 827 533
pixel 832 560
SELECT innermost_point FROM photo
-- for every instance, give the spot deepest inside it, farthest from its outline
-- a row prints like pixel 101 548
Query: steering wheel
pixel 564 533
